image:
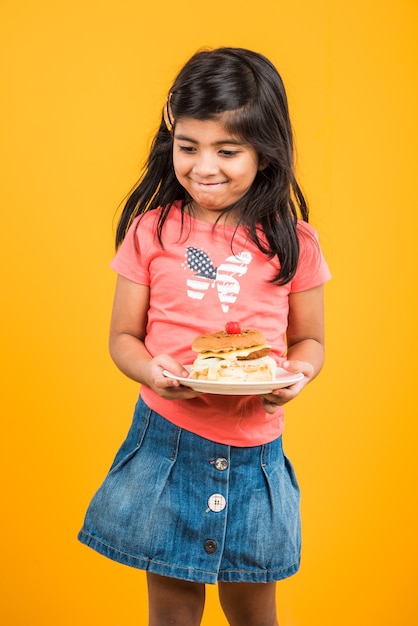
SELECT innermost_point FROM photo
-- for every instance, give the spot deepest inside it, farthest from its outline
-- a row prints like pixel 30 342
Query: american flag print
pixel 225 277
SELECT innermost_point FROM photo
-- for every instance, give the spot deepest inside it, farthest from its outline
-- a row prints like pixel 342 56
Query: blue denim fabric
pixel 154 510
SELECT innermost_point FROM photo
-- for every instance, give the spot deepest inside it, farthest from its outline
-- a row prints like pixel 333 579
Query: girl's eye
pixel 228 153
pixel 223 153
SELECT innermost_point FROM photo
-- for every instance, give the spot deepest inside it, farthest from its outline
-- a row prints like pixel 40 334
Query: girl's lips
pixel 201 184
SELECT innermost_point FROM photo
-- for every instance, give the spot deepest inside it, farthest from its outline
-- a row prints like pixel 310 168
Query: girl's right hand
pixel 167 387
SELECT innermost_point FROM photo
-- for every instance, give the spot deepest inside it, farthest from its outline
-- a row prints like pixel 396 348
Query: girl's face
pixel 214 167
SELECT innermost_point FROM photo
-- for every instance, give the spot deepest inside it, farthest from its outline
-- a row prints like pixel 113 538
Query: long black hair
pixel 247 86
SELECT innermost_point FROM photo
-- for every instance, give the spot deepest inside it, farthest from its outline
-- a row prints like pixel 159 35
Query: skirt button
pixel 216 502
pixel 221 464
pixel 210 546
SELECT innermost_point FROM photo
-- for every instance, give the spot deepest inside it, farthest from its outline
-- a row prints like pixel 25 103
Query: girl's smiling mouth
pixel 203 184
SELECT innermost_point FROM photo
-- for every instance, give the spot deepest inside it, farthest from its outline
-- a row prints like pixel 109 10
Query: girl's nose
pixel 205 164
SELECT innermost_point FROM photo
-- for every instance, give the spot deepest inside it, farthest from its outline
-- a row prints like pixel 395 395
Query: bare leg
pixel 249 604
pixel 174 602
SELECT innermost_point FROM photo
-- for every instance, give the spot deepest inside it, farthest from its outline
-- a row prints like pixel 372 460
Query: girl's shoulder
pixel 307 235
pixel 147 222
pixel 153 215
pixel 303 228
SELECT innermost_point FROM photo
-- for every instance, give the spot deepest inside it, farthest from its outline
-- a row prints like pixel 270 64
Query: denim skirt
pixel 179 505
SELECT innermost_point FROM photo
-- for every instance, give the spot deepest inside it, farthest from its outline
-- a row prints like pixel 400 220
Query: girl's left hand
pixel 279 397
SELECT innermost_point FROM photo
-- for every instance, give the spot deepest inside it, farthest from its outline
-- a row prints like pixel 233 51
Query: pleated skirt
pixel 182 506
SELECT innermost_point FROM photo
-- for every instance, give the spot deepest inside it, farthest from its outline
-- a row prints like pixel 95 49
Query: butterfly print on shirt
pixel 225 277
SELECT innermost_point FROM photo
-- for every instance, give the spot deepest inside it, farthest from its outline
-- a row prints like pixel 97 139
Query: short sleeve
pixel 130 260
pixel 312 268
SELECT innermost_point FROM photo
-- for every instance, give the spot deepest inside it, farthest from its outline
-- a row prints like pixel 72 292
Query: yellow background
pixel 83 86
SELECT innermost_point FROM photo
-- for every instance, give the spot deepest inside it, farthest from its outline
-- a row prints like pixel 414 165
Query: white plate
pixel 282 379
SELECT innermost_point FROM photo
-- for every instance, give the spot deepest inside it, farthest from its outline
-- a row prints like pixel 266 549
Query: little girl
pixel 216 231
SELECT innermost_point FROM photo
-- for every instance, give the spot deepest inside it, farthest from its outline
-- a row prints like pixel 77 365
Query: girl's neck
pixel 225 218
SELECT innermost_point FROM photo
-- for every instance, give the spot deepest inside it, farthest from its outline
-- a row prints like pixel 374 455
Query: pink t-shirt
pixel 198 282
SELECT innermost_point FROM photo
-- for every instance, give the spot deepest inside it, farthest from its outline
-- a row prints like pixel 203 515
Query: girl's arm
pixel 127 348
pixel 305 341
pixel 305 331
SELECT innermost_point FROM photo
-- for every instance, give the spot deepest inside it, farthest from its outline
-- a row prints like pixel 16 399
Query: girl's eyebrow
pixel 229 140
